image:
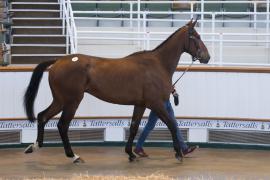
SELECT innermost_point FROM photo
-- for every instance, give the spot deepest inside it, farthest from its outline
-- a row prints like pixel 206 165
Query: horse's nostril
pixel 209 57
pixel 205 56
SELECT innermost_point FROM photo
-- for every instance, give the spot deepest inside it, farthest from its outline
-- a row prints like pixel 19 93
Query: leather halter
pixel 194 58
pixel 195 39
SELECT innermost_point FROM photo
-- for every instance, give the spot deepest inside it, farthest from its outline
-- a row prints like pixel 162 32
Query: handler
pixel 152 120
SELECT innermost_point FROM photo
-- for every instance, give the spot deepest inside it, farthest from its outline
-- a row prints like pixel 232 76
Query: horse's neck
pixel 171 50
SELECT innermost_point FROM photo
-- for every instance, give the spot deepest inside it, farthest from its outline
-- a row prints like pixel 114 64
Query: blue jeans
pixel 152 120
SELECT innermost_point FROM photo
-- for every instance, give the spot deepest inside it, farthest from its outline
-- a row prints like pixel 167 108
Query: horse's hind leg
pixel 43 117
pixel 136 119
pixel 63 126
pixel 164 116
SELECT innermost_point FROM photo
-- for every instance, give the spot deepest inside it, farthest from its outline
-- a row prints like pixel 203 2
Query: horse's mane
pixel 138 53
pixel 168 38
pixel 160 45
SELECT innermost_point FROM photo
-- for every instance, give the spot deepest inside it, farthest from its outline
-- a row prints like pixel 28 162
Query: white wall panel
pixel 213 94
pixel 263 100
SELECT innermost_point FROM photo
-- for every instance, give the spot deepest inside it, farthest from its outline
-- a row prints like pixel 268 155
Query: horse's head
pixel 194 45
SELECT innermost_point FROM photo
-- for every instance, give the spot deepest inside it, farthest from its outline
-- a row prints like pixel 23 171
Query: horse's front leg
pixel 161 111
pixel 136 119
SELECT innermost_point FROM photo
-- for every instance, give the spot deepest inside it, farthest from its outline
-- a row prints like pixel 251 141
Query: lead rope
pixel 174 93
pixel 184 72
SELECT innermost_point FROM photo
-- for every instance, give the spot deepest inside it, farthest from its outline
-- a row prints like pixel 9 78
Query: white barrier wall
pixel 207 94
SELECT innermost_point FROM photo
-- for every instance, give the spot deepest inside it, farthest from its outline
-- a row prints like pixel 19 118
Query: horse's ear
pixel 194 23
pixel 189 23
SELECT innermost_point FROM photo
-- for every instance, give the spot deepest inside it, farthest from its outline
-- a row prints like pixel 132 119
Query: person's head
pixel 194 45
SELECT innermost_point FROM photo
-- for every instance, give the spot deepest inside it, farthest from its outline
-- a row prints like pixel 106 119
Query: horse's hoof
pixel 29 149
pixel 179 157
pixel 132 158
pixel 77 159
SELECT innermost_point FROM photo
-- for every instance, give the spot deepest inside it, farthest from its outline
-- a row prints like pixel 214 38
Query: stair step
pixel 36 30
pixel 34 59
pixel 37 49
pixel 36 18
pixel 39 39
pixel 30 5
pixel 39 55
pixel 35 13
pixel 38 45
pixel 37 22
pixel 34 10
pixel 35 1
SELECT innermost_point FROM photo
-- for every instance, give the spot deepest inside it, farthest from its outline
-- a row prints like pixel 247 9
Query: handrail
pixel 73 26
pixel 191 12
pixel 69 26
pixel 147 37
pixel 181 67
pixel 205 2
pixel 143 37
pixel 254 14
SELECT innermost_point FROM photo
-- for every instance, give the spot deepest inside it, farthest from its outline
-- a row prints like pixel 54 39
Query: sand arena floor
pixel 110 161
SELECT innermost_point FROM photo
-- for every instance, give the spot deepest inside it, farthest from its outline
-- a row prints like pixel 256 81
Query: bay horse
pixel 142 79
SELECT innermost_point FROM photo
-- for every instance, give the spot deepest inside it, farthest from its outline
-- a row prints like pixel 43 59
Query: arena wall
pixel 207 94
pixel 224 107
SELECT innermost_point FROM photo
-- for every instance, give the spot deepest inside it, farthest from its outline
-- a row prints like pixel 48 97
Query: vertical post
pixel 130 14
pixel 255 15
pixel 213 35
pixel 267 22
pixel 73 28
pixel 144 29
pixel 202 15
pixel 213 26
pixel 144 21
pixel 67 41
pixel 61 8
pixel 139 14
pixel 74 41
pixel 139 20
pixel 147 41
pixel 63 16
pixel 191 10
pixel 68 27
pixel 220 49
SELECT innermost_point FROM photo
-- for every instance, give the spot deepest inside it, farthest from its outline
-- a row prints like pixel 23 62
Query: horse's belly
pixel 116 84
pixel 120 95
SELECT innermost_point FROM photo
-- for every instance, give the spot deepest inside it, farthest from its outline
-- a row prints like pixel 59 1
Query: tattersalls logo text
pixel 125 123
pixel 240 125
pixel 16 124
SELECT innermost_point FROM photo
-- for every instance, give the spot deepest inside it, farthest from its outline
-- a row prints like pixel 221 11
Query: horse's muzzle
pixel 204 58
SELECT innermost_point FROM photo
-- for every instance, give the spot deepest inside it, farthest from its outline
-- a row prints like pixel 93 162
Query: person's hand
pixel 175 97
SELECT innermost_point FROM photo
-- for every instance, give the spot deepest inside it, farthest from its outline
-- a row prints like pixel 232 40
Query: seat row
pixel 90 10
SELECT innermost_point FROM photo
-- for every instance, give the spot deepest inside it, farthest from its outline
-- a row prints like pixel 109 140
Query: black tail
pixel 32 89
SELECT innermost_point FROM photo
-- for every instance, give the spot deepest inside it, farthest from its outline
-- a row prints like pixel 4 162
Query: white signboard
pixel 103 123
